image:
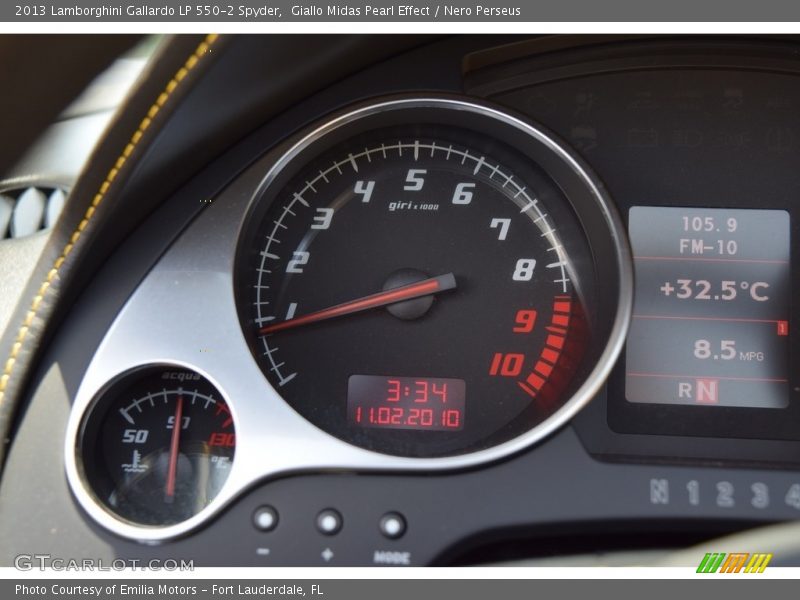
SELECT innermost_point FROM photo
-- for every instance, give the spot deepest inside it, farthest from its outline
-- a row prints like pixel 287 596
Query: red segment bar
pixel 536 379
pixel 562 320
pixel 543 368
pixel 224 408
pixel 550 355
pixel 527 389
pixel 556 330
pixel 562 307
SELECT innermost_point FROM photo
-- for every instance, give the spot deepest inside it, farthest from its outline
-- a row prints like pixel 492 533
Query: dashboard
pixel 482 299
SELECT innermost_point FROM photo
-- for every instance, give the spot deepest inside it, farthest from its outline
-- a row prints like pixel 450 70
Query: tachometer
pixel 419 279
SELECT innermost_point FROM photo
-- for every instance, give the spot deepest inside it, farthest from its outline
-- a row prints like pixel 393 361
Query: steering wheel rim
pixel 176 67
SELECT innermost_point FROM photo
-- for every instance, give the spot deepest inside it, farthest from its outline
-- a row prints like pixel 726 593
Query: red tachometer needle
pixel 406 292
pixel 173 449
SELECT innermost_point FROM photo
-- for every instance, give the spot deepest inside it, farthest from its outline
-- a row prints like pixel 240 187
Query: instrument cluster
pixel 436 283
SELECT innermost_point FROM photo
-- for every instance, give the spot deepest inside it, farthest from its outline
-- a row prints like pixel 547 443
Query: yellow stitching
pixel 22 333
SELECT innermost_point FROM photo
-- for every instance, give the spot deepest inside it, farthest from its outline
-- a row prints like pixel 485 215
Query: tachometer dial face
pixel 159 446
pixel 420 290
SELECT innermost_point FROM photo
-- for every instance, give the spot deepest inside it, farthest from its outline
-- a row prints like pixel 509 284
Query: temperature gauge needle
pixel 173 450
pixel 425 287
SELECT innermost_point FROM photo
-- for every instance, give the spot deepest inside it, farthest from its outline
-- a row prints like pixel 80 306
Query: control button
pixel 265 518
pixel 329 521
pixel 392 525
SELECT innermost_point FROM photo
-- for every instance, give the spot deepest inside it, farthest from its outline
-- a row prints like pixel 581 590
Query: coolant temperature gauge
pixel 158 446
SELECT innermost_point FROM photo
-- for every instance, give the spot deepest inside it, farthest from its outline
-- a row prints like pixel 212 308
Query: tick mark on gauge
pixel 286 379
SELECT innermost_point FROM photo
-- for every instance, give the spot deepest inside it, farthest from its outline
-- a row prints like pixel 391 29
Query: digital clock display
pixel 711 316
pixel 425 403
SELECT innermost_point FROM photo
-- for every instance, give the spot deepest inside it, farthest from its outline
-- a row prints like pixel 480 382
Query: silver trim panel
pixel 187 308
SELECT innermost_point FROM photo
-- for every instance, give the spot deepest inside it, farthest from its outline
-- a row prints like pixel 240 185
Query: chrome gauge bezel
pixel 76 471
pixel 272 439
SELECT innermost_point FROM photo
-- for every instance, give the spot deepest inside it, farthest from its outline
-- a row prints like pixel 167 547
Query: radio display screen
pixel 711 312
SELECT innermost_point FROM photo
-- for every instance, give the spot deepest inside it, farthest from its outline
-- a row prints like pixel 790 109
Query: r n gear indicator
pixel 711 314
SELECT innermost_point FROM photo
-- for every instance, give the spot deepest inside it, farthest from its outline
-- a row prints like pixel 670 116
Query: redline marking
pixel 550 356
pixel 556 341
pixel 561 307
pixel 535 381
pixel 561 320
pixel 556 330
pixel 543 368
pixel 224 408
